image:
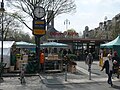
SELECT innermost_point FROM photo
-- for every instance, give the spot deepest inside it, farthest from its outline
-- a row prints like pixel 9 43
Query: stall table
pixel 54 65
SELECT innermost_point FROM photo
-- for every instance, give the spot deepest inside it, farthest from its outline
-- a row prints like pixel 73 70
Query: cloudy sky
pixel 88 13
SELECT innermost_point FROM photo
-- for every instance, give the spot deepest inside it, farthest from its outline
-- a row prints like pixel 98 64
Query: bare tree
pixel 25 8
pixel 10 26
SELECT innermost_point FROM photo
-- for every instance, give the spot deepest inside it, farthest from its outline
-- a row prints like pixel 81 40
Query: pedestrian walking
pixel 108 66
pixel 89 61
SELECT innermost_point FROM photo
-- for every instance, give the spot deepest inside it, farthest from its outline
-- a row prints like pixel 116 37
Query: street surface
pixel 56 81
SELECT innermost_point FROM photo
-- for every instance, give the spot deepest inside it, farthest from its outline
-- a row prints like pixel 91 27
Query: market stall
pixel 53 62
pixel 114 45
pixel 21 53
pixel 109 47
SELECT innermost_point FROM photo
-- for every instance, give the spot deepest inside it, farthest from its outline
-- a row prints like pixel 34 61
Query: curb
pixel 17 75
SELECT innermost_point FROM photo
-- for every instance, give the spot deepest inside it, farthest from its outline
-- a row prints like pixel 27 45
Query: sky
pixel 88 13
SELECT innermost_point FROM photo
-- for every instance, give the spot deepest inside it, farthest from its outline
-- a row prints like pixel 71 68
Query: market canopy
pixel 53 44
pixel 22 44
pixel 112 44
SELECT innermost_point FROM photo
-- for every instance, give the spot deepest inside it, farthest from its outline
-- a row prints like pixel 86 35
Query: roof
pixel 51 29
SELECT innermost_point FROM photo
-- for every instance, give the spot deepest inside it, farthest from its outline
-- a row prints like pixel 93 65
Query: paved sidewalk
pixel 81 76
pixel 56 79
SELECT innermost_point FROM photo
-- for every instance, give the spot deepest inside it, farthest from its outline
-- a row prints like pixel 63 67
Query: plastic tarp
pixel 53 44
pixel 7 45
pixel 112 44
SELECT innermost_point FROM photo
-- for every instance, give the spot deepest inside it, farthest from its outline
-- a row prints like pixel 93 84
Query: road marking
pixel 84 71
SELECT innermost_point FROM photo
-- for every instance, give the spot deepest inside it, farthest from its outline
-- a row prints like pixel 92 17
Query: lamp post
pixel 1 66
pixel 66 22
pixel 2 10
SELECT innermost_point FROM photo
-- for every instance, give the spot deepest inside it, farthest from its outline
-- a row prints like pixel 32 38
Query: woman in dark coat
pixel 108 66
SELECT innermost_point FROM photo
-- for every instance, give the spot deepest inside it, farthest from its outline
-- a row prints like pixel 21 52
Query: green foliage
pixel 72 56
pixel 115 30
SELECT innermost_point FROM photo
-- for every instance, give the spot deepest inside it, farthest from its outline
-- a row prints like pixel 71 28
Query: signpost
pixel 39 27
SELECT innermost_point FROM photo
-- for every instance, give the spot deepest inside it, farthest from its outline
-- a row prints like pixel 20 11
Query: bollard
pixel 65 72
pixel 89 70
pixel 22 73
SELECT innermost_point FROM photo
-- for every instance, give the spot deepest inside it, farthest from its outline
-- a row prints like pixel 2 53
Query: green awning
pixel 22 44
pixel 53 44
pixel 115 42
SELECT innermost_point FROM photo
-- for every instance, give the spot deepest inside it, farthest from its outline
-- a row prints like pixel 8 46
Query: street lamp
pixel 1 66
pixel 66 22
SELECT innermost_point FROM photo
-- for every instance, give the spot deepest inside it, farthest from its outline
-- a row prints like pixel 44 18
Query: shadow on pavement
pixel 116 87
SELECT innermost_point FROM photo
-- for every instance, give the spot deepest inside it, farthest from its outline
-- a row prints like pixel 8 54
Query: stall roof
pixel 115 42
pixel 53 44
pixel 22 44
pixel 7 44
